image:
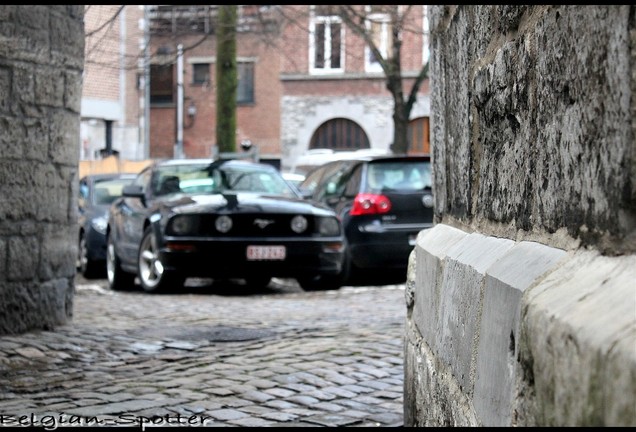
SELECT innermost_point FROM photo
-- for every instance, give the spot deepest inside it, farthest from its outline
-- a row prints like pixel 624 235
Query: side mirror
pixel 305 193
pixel 133 191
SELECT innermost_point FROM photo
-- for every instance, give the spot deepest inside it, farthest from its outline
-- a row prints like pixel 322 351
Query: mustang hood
pixel 245 203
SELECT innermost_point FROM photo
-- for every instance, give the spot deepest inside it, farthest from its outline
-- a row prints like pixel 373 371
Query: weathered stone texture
pixel 36 305
pixel 533 138
pixel 5 88
pixel 23 258
pixel 41 62
pixel 521 334
pixel 533 121
pixel 577 345
pixel 49 86
pixel 63 146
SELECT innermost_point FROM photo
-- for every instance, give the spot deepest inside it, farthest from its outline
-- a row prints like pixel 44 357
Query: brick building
pixel 313 84
pixel 112 108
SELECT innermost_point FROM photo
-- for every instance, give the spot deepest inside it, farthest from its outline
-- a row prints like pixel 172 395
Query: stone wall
pixel 41 63
pixel 521 300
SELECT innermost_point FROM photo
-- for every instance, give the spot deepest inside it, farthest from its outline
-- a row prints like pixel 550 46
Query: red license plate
pixel 266 253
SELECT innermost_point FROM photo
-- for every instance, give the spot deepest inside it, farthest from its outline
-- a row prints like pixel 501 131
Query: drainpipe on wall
pixel 178 151
pixel 146 85
pixel 123 144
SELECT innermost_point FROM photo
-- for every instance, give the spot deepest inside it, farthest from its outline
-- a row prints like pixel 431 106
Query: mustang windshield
pixel 220 178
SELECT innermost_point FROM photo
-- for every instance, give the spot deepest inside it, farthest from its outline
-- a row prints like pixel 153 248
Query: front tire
pixel 89 268
pixel 328 282
pixel 153 276
pixel 118 279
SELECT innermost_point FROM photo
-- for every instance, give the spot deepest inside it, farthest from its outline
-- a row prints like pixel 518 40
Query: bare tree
pixel 363 21
pixel 356 19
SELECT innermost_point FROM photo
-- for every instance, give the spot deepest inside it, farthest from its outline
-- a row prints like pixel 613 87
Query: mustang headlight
pixel 299 224
pixel 184 225
pixel 223 224
pixel 100 224
pixel 328 226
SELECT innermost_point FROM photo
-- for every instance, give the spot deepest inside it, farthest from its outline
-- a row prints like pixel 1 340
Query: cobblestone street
pixel 215 355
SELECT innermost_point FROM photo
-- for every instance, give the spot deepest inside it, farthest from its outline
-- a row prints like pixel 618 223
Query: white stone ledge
pixel 499 317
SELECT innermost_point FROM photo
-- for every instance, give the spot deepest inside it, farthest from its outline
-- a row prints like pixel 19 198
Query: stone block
pixel 496 363
pixel 462 285
pixel 578 344
pixel 23 258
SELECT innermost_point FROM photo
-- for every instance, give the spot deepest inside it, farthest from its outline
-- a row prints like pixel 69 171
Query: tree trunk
pixel 400 113
pixel 226 79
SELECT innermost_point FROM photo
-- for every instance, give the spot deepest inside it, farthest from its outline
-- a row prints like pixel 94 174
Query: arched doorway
pixel 419 136
pixel 339 134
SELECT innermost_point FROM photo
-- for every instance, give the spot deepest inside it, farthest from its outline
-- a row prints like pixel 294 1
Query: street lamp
pixel 192 110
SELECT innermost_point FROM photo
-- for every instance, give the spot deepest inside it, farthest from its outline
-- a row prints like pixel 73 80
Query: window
pixel 339 134
pixel 354 182
pixel 329 181
pixel 181 19
pixel 201 73
pixel 325 47
pixel 161 84
pixel 419 136
pixel 245 89
pixel 378 24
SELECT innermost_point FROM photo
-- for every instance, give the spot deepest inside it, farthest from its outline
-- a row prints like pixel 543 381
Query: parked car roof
pixel 101 176
pixel 316 157
pixel 372 157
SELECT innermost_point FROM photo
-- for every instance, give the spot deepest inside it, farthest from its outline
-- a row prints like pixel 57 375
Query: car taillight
pixel 366 203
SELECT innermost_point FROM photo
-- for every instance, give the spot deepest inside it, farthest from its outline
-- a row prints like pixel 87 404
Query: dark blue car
pixel 96 193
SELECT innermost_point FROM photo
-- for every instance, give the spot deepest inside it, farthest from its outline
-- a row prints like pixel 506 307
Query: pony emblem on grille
pixel 263 223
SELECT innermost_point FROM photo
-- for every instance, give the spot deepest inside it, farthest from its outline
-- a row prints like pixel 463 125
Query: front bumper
pixel 95 245
pixel 227 258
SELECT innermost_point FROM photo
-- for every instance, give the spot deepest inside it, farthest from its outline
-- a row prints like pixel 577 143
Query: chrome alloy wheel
pixel 82 255
pixel 110 262
pixel 150 268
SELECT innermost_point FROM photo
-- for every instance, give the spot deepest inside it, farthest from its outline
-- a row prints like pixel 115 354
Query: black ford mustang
pixel 185 218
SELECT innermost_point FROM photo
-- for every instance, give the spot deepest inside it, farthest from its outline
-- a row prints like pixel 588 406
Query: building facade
pixel 334 92
pixel 304 83
pixel 113 97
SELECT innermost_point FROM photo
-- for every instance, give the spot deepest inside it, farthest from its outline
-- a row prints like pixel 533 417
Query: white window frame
pixel 327 20
pixel 385 39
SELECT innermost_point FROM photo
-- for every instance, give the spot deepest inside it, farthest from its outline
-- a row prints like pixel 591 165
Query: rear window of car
pixel 399 175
